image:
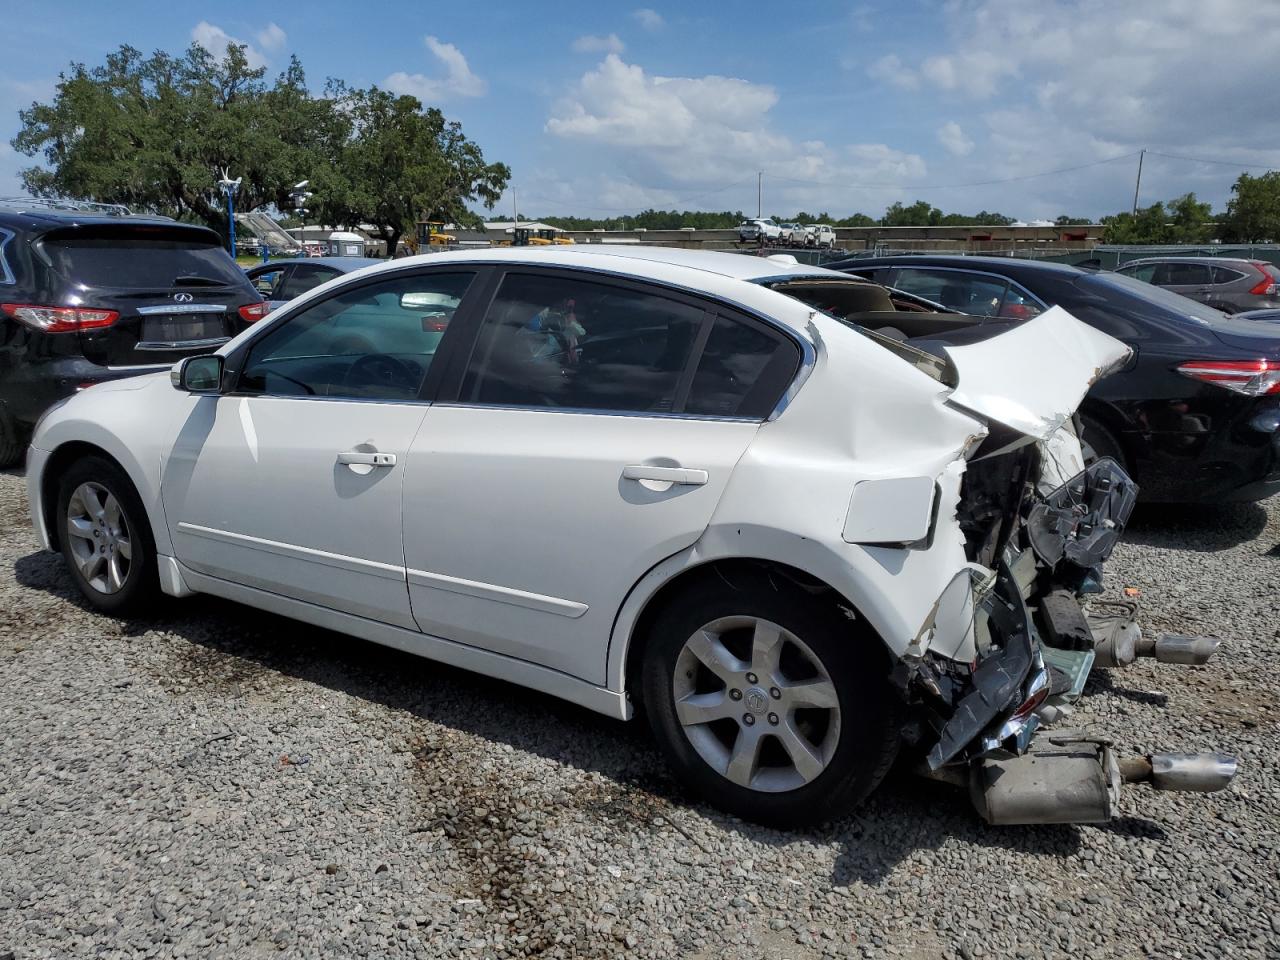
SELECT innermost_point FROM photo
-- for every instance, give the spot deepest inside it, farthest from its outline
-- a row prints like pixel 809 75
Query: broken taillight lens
pixel 59 319
pixel 1253 378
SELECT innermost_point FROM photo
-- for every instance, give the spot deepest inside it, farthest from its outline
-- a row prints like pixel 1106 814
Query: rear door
pixel 590 435
pixel 174 288
pixel 1192 280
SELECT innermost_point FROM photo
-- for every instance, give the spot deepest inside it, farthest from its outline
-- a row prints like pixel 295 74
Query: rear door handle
pixel 367 459
pixel 685 475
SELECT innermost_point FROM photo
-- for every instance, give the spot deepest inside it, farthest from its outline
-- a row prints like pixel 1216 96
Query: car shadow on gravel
pixel 232 650
pixel 1203 528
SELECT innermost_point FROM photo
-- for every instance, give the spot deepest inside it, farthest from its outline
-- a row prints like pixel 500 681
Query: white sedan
pixel 720 486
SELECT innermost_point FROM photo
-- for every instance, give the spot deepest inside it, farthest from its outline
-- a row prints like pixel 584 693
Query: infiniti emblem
pixel 183 297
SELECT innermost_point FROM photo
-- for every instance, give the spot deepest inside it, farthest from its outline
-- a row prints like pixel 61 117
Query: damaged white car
pixel 804 522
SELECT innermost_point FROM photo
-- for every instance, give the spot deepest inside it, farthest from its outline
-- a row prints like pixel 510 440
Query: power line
pixel 1221 163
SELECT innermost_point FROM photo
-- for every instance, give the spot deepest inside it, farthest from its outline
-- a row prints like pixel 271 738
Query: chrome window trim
pixel 592 412
pixel 984 273
pixel 6 273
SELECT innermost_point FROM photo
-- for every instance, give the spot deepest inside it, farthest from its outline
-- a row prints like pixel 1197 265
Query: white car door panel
pixel 292 483
pixel 524 529
pixel 266 499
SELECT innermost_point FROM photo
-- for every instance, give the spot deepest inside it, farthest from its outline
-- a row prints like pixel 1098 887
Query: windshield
pixel 136 259
pixel 1116 284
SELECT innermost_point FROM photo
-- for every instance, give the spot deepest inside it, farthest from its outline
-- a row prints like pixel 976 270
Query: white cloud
pixel 1058 83
pixel 594 44
pixel 953 138
pixel 649 18
pixel 457 81
pixel 214 39
pixel 698 139
pixel 271 37
pixel 890 69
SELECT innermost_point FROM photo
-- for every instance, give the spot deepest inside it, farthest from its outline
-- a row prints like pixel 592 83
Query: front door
pixel 591 437
pixel 291 483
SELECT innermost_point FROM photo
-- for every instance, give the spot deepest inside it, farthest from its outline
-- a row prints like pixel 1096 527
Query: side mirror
pixel 198 374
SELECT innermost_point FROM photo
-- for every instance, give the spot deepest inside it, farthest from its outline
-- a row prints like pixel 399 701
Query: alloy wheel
pixel 100 538
pixel 756 703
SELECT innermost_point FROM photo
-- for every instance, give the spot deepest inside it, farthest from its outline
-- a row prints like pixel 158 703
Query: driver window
pixel 375 342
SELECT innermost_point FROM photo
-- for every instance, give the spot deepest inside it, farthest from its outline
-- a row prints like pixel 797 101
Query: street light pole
pixel 229 187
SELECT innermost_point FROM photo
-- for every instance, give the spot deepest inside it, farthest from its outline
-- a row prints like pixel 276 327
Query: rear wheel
pixel 768 702
pixel 104 537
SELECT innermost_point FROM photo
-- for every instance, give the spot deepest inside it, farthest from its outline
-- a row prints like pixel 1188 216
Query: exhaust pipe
pixel 1186 772
pixel 1078 780
pixel 1172 648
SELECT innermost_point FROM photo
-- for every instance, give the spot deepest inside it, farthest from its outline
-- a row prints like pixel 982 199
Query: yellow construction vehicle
pixel 430 236
pixel 528 237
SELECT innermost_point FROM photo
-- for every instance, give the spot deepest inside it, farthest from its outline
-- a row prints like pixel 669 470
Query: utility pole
pixel 515 209
pixel 760 195
pixel 1138 186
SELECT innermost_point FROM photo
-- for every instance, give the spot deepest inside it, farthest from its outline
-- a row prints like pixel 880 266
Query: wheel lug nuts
pixel 735 694
pixel 748 719
pixel 751 678
pixel 773 718
pixel 775 693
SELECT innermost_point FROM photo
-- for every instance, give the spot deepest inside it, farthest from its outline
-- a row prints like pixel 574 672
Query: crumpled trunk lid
pixel 1033 377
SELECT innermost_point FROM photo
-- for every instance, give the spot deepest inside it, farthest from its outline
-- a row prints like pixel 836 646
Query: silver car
pixel 1225 283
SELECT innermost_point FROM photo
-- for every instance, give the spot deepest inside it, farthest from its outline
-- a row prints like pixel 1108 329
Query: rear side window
pixel 1226 275
pixel 1144 272
pixel 140 259
pixel 552 341
pixel 742 371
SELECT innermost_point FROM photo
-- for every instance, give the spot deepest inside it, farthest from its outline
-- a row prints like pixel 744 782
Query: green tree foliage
pixel 1065 221
pixel 1183 220
pixel 400 162
pixel 1253 212
pixel 156 133
pixel 924 214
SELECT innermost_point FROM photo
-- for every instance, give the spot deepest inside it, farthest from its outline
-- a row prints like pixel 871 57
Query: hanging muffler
pixel 1070 777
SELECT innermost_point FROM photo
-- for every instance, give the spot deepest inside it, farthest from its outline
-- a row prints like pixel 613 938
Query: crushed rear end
pixel 1037 527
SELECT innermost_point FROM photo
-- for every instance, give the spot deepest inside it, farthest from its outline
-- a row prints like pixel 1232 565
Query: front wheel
pixel 767 702
pixel 104 537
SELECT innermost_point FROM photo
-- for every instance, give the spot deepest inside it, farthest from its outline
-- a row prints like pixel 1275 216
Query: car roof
pixel 1007 266
pixel 733 277
pixel 342 264
pixel 36 218
pixel 1172 258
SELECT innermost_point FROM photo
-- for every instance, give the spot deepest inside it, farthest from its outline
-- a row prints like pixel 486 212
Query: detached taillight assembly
pixel 1266 287
pixel 253 312
pixel 59 319
pixel 1253 378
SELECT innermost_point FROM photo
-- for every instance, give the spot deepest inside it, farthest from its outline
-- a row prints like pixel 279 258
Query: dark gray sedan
pixel 279 281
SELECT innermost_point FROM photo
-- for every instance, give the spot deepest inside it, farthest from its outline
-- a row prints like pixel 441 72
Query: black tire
pixel 1097 442
pixel 12 444
pixel 141 583
pixel 855 661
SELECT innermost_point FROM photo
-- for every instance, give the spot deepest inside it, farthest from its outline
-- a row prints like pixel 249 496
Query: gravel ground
pixel 217 782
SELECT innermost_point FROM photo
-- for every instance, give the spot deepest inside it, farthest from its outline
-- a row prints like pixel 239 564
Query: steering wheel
pixel 383 370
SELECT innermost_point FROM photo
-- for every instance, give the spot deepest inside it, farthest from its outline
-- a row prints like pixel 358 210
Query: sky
pixel 1032 108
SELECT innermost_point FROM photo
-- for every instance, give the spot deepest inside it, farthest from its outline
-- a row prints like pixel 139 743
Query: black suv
pixel 89 293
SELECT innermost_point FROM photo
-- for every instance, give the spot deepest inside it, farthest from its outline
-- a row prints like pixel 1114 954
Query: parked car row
pixel 577 469
pixel 767 232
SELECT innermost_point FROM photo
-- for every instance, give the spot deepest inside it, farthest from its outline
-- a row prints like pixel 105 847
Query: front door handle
pixel 357 457
pixel 685 475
